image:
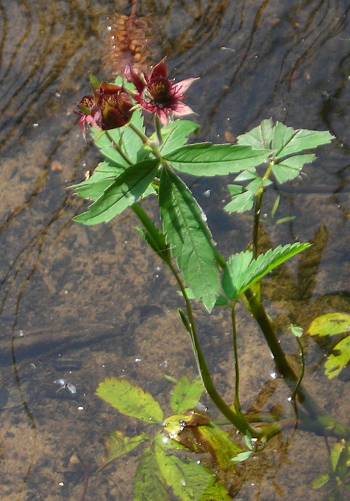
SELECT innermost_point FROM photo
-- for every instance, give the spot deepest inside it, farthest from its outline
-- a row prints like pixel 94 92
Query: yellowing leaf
pixel 330 324
pixel 339 360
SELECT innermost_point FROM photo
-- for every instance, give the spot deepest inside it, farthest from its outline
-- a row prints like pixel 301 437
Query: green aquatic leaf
pixel 219 444
pixel 175 135
pixel 206 159
pixel 104 175
pixel 189 238
pixel 296 330
pixel 188 480
pixel 288 141
pixel 242 271
pixel 186 395
pixel 320 481
pixel 291 167
pixel 330 324
pixel 130 400
pixel 336 362
pixel 258 138
pixel 149 485
pixel 127 189
pixel 240 202
pixel 336 453
pixel 119 445
pixel 216 492
pixel 130 142
pixel 105 145
pixel 242 456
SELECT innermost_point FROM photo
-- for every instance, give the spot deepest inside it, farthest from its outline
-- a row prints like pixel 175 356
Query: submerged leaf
pixel 219 444
pixel 189 238
pixel 330 324
pixel 320 481
pixel 130 400
pixel 339 360
pixel 127 189
pixel 242 271
pixel 149 485
pixel 206 159
pixel 119 444
pixel 188 480
pixel 186 395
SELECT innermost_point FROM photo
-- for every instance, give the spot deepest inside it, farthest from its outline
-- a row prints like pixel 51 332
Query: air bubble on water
pixel 80 408
pixel 199 461
pixel 289 399
pixel 206 193
pixel 273 375
pixel 109 28
pixel 156 275
pixel 61 382
pixel 58 94
pixel 61 484
pixel 158 268
pixel 21 333
pixel 165 440
pixel 84 164
pixel 138 359
pixel 252 484
pixel 71 388
pixel 35 124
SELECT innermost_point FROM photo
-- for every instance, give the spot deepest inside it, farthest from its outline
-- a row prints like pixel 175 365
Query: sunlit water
pixel 79 304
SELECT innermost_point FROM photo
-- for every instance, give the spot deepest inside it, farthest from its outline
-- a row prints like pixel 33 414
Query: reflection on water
pixel 78 304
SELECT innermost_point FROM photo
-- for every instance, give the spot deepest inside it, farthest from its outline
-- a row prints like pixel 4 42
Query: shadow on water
pixel 85 303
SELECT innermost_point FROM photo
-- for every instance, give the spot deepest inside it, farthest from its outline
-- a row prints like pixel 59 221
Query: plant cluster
pixel 138 164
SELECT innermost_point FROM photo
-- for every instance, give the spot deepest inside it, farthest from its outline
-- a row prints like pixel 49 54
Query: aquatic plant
pixel 138 164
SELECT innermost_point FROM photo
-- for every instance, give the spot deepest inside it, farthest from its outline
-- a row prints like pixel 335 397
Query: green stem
pixel 236 418
pixel 235 355
pixel 280 359
pixel 118 148
pixel 257 210
pixel 158 127
pixel 146 141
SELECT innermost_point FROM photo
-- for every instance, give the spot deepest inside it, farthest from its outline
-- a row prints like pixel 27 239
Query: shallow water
pixel 85 303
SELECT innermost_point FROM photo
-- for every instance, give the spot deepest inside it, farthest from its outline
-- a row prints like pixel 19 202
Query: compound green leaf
pixel 119 445
pixel 127 189
pixel 130 400
pixel 189 238
pixel 102 178
pixel 205 159
pixel 330 324
pixel 149 485
pixel 339 360
pixel 176 135
pixel 289 141
pixel 186 395
pixel 291 167
pixel 242 271
pixel 241 202
pixel 258 138
pixel 105 145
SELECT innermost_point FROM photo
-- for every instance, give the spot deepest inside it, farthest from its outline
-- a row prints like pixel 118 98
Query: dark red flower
pixel 109 107
pixel 158 94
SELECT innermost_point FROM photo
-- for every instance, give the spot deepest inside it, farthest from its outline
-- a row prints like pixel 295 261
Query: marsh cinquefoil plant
pixel 137 165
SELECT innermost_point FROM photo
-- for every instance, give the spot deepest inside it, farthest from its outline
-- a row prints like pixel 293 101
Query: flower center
pixel 159 93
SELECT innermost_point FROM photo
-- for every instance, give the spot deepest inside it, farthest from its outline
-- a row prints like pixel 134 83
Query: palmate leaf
pixel 285 145
pixel 130 400
pixel 206 159
pixel 121 194
pixel 186 395
pixel 119 445
pixel 175 135
pixel 242 271
pixel 189 238
pixel 291 167
pixel 149 484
